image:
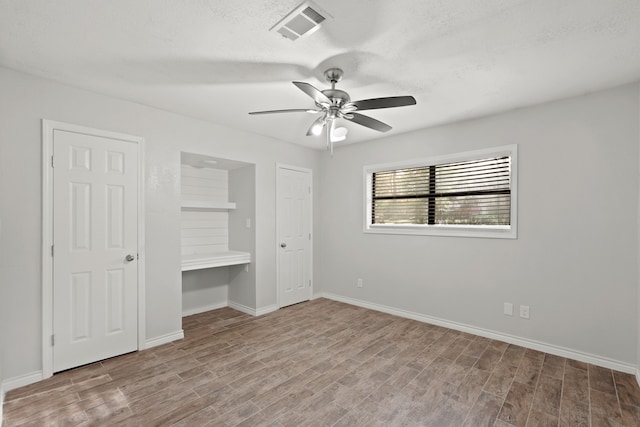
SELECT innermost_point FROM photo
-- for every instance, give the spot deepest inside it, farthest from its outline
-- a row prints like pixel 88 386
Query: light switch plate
pixel 508 309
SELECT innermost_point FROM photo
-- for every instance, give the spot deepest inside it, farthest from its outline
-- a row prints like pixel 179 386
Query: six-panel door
pixel 294 235
pixel 95 289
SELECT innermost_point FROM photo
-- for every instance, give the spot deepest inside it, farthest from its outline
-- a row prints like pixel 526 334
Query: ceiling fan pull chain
pixel 329 129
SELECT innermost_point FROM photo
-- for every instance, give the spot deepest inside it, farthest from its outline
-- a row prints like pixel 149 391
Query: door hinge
pixel 51 161
pixel 51 250
pixel 309 236
pixel 53 340
pixel 309 282
pixel 309 190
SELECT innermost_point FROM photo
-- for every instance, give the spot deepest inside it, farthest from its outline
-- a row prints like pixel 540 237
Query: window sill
pixel 489 232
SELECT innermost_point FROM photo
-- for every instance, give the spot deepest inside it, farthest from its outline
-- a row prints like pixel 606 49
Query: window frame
pixel 484 231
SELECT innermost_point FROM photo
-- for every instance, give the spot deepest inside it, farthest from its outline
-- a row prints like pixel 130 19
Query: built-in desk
pixel 218 259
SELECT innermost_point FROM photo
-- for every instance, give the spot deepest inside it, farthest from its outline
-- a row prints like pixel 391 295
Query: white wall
pixel 242 191
pixel 25 100
pixel 574 262
pixel 204 290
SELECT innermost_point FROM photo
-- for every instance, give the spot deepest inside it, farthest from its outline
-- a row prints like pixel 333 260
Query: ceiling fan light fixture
pixel 339 134
pixel 302 21
pixel 316 129
pixel 317 126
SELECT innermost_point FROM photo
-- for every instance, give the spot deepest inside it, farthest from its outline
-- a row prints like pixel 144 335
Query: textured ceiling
pixel 216 60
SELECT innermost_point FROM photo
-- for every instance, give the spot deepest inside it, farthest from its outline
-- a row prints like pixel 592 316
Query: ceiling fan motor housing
pixel 338 97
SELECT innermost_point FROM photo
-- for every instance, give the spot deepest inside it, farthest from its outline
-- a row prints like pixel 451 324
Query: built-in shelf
pixel 186 205
pixel 212 260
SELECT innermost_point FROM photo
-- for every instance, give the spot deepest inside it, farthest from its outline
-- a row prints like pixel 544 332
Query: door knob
pixel 283 245
pixel 130 258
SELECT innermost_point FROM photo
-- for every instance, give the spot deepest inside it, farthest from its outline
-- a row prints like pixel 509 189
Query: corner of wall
pixel 1 390
pixel 204 309
pixel 260 311
pixel 164 339
pixel 638 256
pixel 1 400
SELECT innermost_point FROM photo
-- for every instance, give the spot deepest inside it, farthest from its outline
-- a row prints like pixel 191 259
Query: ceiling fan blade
pixel 369 122
pixel 314 93
pixel 291 110
pixel 388 102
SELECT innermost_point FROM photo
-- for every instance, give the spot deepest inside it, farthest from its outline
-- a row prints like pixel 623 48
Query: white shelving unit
pixel 205 219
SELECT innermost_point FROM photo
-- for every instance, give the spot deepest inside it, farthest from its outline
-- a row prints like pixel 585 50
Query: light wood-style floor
pixel 327 363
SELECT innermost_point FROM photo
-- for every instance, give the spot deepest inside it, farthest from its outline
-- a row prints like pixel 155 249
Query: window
pixel 467 194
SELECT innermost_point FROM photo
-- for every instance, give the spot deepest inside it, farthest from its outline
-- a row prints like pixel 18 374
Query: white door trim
pixel 277 237
pixel 48 126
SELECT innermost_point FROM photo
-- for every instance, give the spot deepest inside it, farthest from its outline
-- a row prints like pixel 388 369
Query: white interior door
pixel 95 248
pixel 294 220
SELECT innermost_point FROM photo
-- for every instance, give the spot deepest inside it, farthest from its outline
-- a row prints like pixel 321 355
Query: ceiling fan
pixel 336 104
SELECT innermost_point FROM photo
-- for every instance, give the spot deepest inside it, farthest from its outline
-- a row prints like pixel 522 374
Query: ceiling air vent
pixel 301 21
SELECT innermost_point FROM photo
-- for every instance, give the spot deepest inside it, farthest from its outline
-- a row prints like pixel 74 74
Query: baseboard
pixel 266 310
pixel 253 311
pixel 21 381
pixel 242 308
pixel 199 310
pixel 164 339
pixel 523 342
pixel 236 306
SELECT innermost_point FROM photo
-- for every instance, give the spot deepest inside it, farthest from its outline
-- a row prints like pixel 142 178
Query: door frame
pixel 280 166
pixel 48 127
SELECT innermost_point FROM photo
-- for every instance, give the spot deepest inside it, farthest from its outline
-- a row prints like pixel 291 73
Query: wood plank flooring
pixel 326 363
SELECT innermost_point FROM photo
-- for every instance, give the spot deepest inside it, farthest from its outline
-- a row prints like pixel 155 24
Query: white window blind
pixel 474 192
pixel 471 193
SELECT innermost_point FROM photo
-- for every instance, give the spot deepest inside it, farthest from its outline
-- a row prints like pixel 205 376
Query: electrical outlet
pixel 359 283
pixel 508 309
pixel 247 223
pixel 524 311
